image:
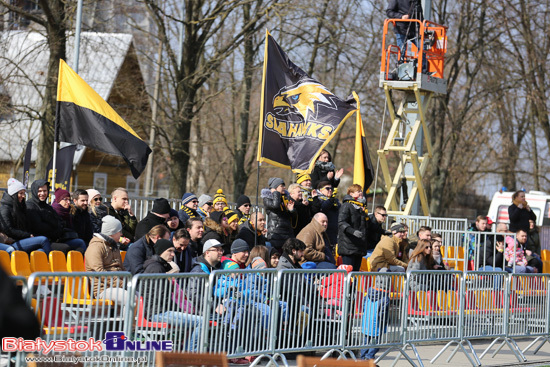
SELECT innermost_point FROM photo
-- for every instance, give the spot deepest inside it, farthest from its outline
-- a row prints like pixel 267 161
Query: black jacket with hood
pixel 43 220
pixel 13 217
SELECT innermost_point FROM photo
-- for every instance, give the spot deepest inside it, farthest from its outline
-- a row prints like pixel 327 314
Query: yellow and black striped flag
pixel 84 118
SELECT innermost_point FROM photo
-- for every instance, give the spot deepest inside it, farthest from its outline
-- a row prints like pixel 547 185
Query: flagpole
pixel 257 204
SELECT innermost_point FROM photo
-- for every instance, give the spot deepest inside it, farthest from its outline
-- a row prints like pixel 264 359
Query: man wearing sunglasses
pixel 189 206
pixel 376 229
pixel 205 206
pixel 243 208
pixel 326 203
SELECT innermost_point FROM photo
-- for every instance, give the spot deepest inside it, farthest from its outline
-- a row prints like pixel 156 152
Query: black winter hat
pixel 217 217
pixel 243 199
pixel 162 245
pixel 161 206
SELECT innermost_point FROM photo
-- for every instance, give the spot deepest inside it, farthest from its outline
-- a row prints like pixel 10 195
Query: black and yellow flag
pixel 84 118
pixel 363 173
pixel 299 116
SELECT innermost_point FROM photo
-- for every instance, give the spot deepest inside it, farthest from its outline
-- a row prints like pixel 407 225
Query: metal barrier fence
pixel 270 313
pixel 437 224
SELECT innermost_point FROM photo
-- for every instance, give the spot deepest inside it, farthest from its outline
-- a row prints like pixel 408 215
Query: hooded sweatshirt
pixel 43 219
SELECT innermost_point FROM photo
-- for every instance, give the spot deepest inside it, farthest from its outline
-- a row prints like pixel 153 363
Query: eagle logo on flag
pixel 303 98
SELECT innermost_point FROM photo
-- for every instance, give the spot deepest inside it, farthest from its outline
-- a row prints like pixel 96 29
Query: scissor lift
pixel 404 72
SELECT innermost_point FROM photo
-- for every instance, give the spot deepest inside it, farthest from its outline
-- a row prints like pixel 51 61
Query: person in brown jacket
pixel 318 247
pixel 103 255
pixel 390 250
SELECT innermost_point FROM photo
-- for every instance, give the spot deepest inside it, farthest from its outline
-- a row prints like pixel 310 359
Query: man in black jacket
pixel 405 9
pixel 280 211
pixel 82 223
pixel 352 228
pixel 158 215
pixel 375 229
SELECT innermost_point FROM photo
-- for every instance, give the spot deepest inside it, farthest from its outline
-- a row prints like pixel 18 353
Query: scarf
pixel 190 212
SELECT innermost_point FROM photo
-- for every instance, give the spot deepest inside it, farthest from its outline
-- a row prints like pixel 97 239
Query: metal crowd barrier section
pixel 374 313
pixel 483 313
pixel 311 311
pixel 91 309
pixel 545 336
pixel 527 314
pixel 437 224
pixel 244 309
pixel 169 307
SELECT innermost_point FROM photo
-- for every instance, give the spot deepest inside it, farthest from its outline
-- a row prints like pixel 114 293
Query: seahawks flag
pixel 299 116
pixel 84 118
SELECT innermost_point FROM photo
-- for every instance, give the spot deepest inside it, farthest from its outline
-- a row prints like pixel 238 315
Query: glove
pixel 358 234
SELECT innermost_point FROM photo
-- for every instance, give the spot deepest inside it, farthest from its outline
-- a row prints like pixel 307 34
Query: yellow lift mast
pixel 417 73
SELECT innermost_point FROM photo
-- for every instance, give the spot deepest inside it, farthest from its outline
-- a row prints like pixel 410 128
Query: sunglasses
pixel 428 247
pixel 328 188
pixel 209 203
pixel 195 201
pixel 246 205
pixel 384 215
pixel 98 199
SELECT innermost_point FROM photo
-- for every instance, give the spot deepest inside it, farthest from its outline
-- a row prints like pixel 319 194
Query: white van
pixel 538 201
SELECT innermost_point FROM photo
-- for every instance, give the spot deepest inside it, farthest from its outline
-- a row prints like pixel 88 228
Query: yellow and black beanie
pixel 219 196
pixel 301 177
pixel 230 215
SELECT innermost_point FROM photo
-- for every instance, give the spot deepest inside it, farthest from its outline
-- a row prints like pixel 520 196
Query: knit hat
pixel 203 199
pixel 230 215
pixel 301 177
pixel 188 197
pixel 110 225
pixel 323 184
pixel 61 194
pixel 309 265
pixel 275 182
pixel 239 245
pixel 14 186
pixel 220 196
pixel 162 245
pixel 91 194
pixel 161 206
pixel 173 213
pixel 209 244
pixel 217 217
pixel 398 227
pixel 243 199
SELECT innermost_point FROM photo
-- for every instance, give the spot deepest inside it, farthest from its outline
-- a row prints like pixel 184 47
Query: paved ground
pixel 505 358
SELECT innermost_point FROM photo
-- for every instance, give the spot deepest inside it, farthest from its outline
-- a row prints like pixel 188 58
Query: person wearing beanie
pixel 219 201
pixel 96 208
pixel 157 216
pixel 304 180
pixel 120 208
pixel 243 208
pixel 217 227
pixel 174 223
pixel 62 206
pixel 159 263
pixel 280 212
pixel 143 249
pixel 205 206
pixel 102 255
pixel 302 208
pixel 239 252
pixel 189 206
pixel 15 223
pixel 325 202
pixel 325 170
